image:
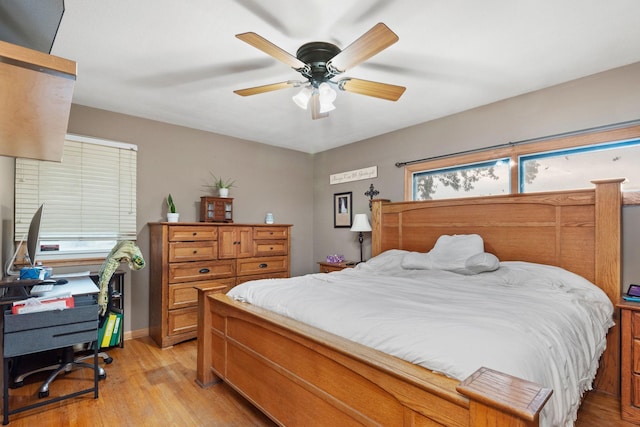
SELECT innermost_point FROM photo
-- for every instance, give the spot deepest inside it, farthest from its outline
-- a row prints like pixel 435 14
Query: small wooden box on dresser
pixel 188 254
pixel 630 368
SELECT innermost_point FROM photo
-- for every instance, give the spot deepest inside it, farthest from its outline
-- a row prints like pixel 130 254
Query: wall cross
pixel 371 193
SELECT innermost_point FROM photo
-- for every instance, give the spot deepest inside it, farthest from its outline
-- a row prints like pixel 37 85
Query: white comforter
pixel 537 322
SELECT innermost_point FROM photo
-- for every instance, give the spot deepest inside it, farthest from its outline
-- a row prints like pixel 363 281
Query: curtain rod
pixel 522 142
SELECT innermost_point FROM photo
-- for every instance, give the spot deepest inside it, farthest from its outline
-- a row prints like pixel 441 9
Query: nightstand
pixel 328 267
pixel 630 367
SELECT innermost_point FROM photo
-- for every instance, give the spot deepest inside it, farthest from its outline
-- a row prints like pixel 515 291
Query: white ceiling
pixel 179 62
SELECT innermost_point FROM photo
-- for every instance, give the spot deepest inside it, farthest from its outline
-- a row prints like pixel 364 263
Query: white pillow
pixel 479 263
pixel 417 261
pixel 387 260
pixel 452 252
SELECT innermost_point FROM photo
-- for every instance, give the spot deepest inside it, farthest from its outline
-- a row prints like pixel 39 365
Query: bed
pixel 298 374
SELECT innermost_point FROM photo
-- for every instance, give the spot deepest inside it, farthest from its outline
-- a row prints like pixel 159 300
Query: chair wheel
pixel 108 360
pixel 43 394
pixel 102 376
pixel 18 384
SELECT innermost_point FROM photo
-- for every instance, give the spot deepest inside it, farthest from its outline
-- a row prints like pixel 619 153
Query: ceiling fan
pixel 320 62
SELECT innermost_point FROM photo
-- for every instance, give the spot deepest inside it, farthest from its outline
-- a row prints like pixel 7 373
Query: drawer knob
pixel 263 265
pixel 204 270
pixel 195 233
pixel 195 251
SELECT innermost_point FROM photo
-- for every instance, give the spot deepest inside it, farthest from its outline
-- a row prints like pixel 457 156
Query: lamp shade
pixel 361 223
pixel 327 96
pixel 302 98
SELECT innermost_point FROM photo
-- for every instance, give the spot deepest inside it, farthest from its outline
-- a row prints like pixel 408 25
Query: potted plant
pixel 172 215
pixel 223 185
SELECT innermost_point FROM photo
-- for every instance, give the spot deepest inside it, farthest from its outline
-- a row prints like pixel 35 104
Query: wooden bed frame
pixel 299 375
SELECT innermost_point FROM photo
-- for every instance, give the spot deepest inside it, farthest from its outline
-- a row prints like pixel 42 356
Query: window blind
pixel 90 195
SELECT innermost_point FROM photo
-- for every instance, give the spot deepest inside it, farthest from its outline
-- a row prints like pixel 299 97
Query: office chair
pixel 124 251
pixel 66 364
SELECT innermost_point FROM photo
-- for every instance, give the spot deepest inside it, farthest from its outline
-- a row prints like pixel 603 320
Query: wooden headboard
pixel 578 230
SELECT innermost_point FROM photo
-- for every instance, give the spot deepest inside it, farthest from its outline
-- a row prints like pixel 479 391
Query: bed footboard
pixel 299 375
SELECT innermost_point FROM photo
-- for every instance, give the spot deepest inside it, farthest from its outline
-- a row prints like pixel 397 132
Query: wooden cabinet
pixel 630 368
pixel 235 242
pixel 328 267
pixel 216 209
pixel 186 255
pixel 37 90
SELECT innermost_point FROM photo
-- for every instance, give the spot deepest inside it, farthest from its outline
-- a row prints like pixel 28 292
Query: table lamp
pixel 361 225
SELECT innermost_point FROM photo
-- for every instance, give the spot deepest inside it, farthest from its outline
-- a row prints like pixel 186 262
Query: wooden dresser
pixel 184 255
pixel 630 367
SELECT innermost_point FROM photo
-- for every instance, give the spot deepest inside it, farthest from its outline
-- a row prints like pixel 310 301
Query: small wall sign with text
pixel 355 175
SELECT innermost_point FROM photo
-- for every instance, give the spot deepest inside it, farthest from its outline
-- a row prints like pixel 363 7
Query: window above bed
pixel 552 164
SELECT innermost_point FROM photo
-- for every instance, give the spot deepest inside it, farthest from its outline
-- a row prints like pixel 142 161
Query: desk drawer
pixel 33 332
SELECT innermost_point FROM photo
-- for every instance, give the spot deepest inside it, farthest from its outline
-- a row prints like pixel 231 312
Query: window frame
pixel 86 256
pixel 514 151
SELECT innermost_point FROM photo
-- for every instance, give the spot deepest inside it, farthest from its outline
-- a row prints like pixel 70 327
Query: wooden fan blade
pixel 369 88
pixel 315 107
pixel 262 89
pixel 373 41
pixel 271 49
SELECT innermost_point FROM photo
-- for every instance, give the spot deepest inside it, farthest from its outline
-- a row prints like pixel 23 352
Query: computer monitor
pixel 33 238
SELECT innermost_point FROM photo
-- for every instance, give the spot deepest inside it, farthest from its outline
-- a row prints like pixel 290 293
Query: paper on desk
pixel 33 305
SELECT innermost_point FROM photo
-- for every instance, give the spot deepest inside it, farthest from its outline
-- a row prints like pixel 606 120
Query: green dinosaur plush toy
pixel 124 251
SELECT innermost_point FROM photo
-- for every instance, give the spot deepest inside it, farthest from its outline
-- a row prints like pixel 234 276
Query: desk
pixel 49 330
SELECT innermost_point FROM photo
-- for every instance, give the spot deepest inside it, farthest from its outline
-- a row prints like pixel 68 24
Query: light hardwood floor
pixel 148 386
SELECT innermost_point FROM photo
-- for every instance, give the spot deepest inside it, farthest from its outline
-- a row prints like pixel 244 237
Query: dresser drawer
pixel 185 294
pixel 270 247
pixel 193 251
pixel 264 265
pixel 635 390
pixel 183 320
pixel 279 275
pixel 190 233
pixel 270 232
pixel 635 356
pixel 635 324
pixel 200 270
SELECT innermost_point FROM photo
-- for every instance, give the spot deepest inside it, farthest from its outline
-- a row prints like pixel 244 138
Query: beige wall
pixel 601 99
pixel 178 160
pixel 295 186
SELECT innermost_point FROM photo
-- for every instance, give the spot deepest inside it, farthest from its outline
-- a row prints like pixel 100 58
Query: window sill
pixel 69 262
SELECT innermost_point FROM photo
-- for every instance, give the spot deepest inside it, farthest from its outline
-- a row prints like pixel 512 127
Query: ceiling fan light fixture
pixel 319 62
pixel 327 96
pixel 302 98
pixel 325 107
pixel 327 93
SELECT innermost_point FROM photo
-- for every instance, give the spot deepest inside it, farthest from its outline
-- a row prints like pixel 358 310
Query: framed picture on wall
pixel 342 214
